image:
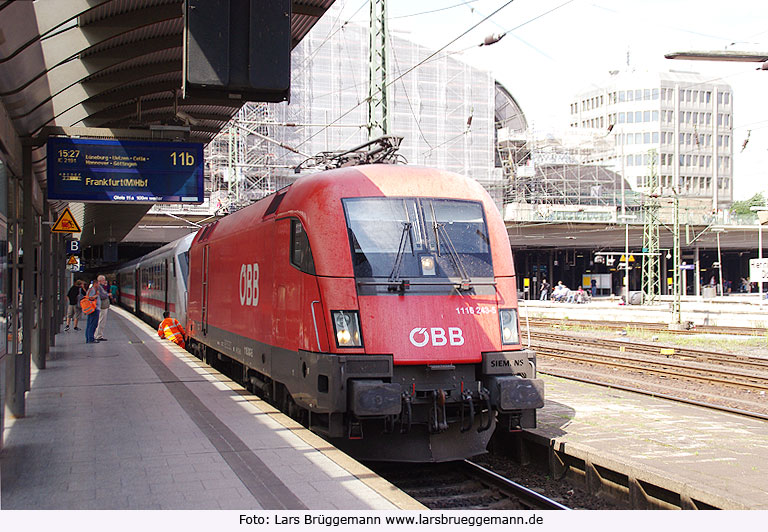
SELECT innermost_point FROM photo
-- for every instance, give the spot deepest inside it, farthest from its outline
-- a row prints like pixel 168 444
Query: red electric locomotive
pixel 376 303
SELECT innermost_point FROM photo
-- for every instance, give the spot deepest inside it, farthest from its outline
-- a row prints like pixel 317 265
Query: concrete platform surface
pixel 738 310
pixel 138 423
pixel 717 458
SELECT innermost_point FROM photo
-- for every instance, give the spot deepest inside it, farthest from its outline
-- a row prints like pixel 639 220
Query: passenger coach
pixel 157 282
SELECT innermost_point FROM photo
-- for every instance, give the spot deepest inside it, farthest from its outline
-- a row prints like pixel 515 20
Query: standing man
pixel 171 328
pixel 544 290
pixel 93 318
pixel 113 291
pixel 103 288
pixel 74 295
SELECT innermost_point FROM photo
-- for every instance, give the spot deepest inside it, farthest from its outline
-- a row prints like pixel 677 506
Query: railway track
pixel 619 355
pixel 678 398
pixel 725 382
pixel 655 349
pixel 463 485
pixel 651 327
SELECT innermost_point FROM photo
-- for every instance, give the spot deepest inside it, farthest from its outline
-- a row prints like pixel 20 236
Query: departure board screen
pixel 94 170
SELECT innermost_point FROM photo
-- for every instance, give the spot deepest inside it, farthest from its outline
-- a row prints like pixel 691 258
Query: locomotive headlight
pixel 427 265
pixel 346 325
pixel 509 331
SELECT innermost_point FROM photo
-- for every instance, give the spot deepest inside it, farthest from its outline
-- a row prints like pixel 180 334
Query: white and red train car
pixel 376 303
pixel 157 282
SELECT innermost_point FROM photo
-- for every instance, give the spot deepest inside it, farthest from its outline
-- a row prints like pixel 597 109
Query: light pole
pixel 626 218
pixel 717 231
pixel 676 319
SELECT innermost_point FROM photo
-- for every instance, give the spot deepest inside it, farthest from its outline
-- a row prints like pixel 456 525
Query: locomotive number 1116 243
pixel 478 310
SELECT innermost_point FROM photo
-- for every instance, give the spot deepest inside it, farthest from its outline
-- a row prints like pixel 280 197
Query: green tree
pixel 742 207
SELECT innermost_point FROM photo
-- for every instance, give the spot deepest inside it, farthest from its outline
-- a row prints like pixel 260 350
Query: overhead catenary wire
pixel 332 33
pixel 408 99
pixel 411 69
pixel 437 55
pixel 462 4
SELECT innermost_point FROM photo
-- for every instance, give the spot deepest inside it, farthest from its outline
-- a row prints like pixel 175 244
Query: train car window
pixel 183 259
pixel 301 254
pixel 420 234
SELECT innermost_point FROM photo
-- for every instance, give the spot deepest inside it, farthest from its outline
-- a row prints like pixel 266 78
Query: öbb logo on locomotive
pixel 420 337
pixel 249 284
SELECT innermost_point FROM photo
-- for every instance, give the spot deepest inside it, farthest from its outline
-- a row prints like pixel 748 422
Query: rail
pixel 530 498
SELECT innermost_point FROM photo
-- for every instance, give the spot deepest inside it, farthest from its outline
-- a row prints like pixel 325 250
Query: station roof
pixel 114 64
pixel 613 236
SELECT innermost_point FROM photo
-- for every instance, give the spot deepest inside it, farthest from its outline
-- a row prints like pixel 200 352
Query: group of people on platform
pixel 563 294
pixel 99 292
pixel 102 295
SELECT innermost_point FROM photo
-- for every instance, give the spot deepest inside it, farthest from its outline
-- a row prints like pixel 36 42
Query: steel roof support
pixel 128 110
pixel 31 293
pixel 10 143
pixel 70 74
pixel 48 15
pixel 22 205
pixel 71 42
pixel 47 331
pixel 81 94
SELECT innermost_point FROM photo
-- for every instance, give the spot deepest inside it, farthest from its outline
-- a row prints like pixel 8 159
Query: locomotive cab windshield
pixel 425 241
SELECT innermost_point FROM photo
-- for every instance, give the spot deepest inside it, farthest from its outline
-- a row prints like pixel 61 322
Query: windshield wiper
pixel 466 282
pixel 394 277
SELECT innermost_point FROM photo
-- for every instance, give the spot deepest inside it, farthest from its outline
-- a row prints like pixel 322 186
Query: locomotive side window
pixel 301 254
pixel 418 237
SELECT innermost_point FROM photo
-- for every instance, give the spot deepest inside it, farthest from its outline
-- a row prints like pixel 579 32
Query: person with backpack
pixel 74 295
pixel 92 295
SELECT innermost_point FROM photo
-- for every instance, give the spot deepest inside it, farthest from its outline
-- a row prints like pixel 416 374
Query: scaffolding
pixel 548 172
pixel 242 160
pixel 443 109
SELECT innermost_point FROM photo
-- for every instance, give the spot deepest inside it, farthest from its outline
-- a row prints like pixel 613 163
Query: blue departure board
pixel 92 170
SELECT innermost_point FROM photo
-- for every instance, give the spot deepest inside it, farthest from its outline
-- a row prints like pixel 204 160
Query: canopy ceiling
pixel 104 64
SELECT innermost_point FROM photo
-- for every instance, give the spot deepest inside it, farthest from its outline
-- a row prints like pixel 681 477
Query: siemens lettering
pixel 504 363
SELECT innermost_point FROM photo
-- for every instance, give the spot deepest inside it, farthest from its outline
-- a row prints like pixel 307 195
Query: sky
pixel 556 48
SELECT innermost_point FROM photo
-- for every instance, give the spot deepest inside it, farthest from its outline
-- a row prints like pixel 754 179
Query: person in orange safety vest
pixel 171 328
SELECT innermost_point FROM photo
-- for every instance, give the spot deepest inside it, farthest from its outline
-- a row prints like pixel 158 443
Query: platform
pixel 737 310
pixel 138 423
pixel 663 453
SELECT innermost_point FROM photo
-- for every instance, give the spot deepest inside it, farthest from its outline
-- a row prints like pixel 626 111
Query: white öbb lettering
pixel 421 336
pixel 249 284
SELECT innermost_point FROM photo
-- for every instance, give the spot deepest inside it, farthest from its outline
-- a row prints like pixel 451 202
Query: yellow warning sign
pixel 66 223
pixel 72 260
